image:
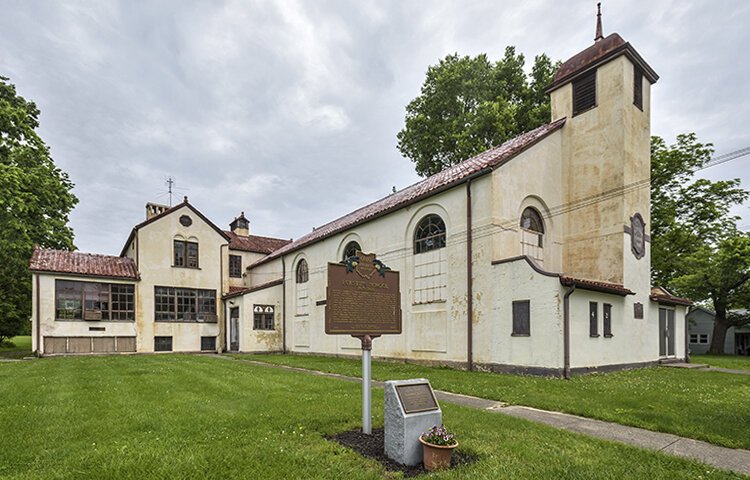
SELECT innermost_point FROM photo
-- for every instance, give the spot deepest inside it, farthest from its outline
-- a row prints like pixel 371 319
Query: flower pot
pixel 437 457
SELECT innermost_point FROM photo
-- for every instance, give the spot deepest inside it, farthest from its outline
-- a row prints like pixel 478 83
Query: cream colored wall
pixel 268 272
pixel 258 340
pixel 72 328
pixel 532 179
pixel 544 347
pixel 606 149
pixel 248 258
pixel 155 252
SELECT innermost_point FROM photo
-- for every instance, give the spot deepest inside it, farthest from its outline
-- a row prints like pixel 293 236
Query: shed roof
pixel 78 263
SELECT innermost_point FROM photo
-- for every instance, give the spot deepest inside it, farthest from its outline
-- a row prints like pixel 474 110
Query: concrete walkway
pixel 734 460
pixel 705 368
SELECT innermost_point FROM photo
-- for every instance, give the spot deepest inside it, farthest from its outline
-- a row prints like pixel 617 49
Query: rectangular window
pixel 638 87
pixel 94 301
pixel 208 343
pixel 593 319
pixel 693 338
pixel 521 318
pixel 235 266
pixel 703 339
pixel 184 305
pixel 607 320
pixel 263 317
pixel 162 344
pixel 185 254
pixel 584 93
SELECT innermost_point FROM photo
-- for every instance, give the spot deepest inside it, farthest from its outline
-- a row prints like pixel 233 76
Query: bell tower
pixel 605 92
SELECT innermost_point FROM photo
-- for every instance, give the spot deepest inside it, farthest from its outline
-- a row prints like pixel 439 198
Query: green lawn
pixel 21 348
pixel 708 406
pixel 733 362
pixel 196 417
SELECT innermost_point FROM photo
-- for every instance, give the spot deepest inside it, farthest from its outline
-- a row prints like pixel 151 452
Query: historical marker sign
pixel 362 298
pixel 416 397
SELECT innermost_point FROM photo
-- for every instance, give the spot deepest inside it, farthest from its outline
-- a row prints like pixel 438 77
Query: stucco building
pixel 533 256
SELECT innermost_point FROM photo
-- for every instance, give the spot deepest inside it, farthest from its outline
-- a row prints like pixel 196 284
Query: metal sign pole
pixel 366 384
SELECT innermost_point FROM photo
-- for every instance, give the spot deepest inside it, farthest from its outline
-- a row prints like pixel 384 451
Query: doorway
pixel 234 329
pixel 667 332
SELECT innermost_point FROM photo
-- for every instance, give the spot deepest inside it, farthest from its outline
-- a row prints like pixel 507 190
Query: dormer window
pixel 584 93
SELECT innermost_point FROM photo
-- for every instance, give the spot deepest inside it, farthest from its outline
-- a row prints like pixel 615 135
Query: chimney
pixel 154 209
pixel 240 225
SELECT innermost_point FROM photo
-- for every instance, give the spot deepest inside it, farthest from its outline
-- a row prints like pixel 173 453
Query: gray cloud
pixel 289 110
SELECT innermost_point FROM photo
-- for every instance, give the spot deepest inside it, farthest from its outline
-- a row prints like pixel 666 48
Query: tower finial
pixel 599 35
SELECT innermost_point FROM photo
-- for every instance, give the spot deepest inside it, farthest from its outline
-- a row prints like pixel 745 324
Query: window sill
pixel 594 336
pixel 301 314
pixel 520 334
pixel 264 329
pixel 212 322
pixel 431 301
pixel 608 335
pixel 231 276
pixel 92 321
pixel 189 268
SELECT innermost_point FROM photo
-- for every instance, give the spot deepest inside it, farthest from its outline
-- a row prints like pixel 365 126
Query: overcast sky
pixel 289 110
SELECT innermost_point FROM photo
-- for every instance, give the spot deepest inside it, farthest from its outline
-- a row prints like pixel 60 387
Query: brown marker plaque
pixel 416 397
pixel 362 302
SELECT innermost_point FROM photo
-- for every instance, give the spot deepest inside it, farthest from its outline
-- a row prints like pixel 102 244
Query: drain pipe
pixel 469 283
pixel 566 333
pixel 283 305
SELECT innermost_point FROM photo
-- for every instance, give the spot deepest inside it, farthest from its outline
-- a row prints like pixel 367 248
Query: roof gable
pixel 166 213
pixel 480 164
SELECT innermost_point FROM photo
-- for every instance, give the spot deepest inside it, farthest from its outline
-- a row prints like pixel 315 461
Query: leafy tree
pixel 697 249
pixel 469 104
pixel 35 200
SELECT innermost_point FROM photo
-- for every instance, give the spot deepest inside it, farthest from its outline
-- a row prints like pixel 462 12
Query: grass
pixel 709 406
pixel 733 362
pixel 21 348
pixel 195 417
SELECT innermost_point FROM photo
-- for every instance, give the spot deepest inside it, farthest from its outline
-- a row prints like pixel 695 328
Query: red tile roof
pixel 238 291
pixel 77 263
pixel 598 53
pixel 255 243
pixel 480 164
pixel 661 295
pixel 595 285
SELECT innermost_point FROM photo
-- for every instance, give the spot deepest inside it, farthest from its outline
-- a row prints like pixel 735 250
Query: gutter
pixel 283 305
pixel 38 321
pixel 470 272
pixel 566 332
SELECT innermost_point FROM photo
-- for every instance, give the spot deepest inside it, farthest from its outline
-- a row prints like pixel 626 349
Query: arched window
pixel 302 274
pixel 351 249
pixel 532 234
pixel 531 220
pixel 430 234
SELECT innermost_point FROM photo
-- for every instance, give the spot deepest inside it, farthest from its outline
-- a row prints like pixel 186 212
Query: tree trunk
pixel 721 325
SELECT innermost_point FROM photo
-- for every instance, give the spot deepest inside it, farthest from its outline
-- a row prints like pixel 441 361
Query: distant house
pixel 533 256
pixel 701 328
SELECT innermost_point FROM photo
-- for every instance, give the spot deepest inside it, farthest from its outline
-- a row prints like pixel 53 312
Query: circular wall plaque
pixel 186 221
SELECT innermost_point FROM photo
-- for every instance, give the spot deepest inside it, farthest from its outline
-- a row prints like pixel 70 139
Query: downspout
pixel 37 319
pixel 469 283
pixel 566 332
pixel 687 347
pixel 283 305
pixel 223 323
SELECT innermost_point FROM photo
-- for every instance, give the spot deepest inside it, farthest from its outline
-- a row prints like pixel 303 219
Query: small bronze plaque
pixel 361 300
pixel 416 397
pixel 638 310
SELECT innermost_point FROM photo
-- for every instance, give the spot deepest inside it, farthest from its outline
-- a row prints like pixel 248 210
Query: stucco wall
pixel 155 259
pixel 257 340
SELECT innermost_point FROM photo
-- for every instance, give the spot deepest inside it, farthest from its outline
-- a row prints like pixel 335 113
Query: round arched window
pixel 351 249
pixel 302 273
pixel 430 234
pixel 532 220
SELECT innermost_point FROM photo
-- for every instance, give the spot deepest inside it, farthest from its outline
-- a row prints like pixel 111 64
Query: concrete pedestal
pixel 402 430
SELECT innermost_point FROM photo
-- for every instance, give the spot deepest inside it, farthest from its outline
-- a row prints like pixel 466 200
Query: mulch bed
pixel 372 446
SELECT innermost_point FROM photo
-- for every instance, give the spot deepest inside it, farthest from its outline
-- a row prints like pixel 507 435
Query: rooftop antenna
pixel 599 35
pixel 169 182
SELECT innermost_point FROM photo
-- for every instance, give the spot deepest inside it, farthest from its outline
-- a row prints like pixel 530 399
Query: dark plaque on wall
pixel 638 235
pixel 416 397
pixel 638 310
pixel 362 298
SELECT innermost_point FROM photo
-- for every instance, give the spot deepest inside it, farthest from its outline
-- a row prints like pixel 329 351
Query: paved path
pixel 705 368
pixel 735 460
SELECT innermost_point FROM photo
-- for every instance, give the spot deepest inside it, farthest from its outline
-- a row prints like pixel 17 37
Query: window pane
pixel 607 320
pixel 302 273
pixel 235 266
pixel 164 301
pixel 179 253
pixel 521 317
pixel 186 304
pixel 429 234
pixel 68 300
pixel 351 249
pixel 163 344
pixel 192 255
pixel 593 319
